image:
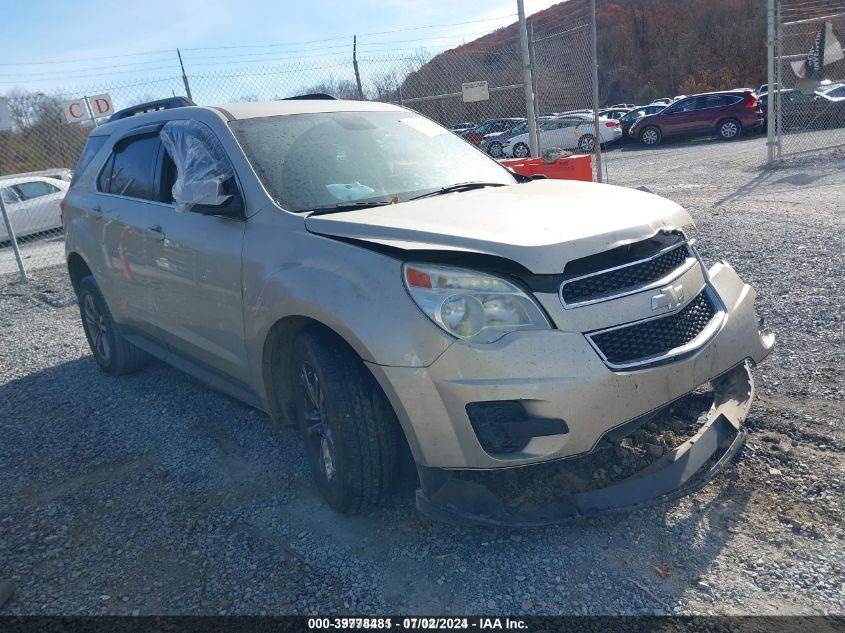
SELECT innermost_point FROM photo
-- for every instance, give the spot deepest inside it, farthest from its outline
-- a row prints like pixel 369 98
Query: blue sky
pixel 99 44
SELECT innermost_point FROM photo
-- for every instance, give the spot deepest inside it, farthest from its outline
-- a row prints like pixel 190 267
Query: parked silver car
pixel 357 270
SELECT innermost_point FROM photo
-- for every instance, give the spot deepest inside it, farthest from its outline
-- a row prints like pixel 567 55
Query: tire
pixel 730 129
pixel 651 136
pixel 520 150
pixel 113 353
pixel 348 426
pixel 495 149
pixel 587 143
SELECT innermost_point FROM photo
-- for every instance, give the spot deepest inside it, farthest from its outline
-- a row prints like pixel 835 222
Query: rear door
pixel 712 109
pixel 196 273
pixel 123 216
pixel 561 133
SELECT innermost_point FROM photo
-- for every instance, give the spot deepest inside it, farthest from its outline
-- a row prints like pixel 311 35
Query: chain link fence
pixel 563 66
pixel 40 150
pixel 808 112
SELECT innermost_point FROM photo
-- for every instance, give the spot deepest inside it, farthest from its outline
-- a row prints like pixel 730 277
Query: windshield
pixel 322 160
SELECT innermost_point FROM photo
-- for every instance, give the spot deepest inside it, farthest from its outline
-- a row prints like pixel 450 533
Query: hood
pixel 541 224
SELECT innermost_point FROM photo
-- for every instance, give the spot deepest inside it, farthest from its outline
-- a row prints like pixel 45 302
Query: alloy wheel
pixel 521 150
pixel 729 129
pixel 650 137
pixel 95 323
pixel 318 433
pixel 587 144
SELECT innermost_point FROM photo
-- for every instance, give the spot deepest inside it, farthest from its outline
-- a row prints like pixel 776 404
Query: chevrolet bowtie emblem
pixel 669 298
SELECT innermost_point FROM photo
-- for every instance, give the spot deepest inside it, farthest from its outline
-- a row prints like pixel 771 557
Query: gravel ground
pixel 152 494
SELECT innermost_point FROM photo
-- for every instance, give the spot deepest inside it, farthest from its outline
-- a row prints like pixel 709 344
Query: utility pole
pixel 184 77
pixel 595 60
pixel 770 78
pixel 532 59
pixel 526 80
pixel 355 66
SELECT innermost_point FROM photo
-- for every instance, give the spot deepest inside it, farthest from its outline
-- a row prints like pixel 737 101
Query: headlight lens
pixel 470 304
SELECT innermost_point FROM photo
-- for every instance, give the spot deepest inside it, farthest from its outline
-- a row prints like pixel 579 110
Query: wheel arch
pixel 728 117
pixel 277 379
pixel 77 269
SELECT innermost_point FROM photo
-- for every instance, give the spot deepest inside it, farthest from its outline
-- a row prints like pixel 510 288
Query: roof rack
pixel 151 106
pixel 316 96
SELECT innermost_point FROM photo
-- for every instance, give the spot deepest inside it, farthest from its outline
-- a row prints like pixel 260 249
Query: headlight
pixel 470 304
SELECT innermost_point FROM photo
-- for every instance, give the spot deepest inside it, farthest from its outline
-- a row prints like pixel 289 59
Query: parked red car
pixel 728 114
pixel 492 126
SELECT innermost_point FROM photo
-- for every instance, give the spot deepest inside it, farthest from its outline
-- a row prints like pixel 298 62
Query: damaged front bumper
pixel 443 495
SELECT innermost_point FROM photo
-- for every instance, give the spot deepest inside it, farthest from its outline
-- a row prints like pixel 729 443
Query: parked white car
pixel 575 132
pixel 32 204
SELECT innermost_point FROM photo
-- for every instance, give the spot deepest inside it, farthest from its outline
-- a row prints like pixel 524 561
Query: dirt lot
pixel 152 494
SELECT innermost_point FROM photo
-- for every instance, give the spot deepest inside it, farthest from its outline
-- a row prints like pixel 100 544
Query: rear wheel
pixel 651 136
pixel 348 426
pixel 730 129
pixel 587 143
pixel 114 354
pixel 495 149
pixel 520 150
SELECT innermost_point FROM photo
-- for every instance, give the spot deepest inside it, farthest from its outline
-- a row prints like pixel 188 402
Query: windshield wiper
pixel 460 186
pixel 347 206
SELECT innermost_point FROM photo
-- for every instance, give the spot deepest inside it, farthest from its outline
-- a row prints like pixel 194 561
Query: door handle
pixel 157 231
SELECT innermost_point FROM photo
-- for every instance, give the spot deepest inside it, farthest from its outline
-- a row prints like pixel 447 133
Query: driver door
pixel 196 264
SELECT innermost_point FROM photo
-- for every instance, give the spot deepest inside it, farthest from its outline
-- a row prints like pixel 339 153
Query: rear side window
pixel 94 144
pixel 35 189
pixel 711 101
pixel 130 171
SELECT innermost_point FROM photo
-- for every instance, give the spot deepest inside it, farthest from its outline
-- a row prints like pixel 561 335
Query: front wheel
pixel 730 129
pixel 520 150
pixel 348 426
pixel 495 149
pixel 114 354
pixel 587 143
pixel 650 136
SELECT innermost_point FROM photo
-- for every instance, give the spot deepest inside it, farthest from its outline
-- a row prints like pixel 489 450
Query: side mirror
pixel 212 197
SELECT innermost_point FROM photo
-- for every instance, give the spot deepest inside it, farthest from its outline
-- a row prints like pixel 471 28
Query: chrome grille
pixel 654 339
pixel 625 279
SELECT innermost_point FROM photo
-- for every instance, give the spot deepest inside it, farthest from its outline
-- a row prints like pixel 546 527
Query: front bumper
pixel 556 374
pixel 445 497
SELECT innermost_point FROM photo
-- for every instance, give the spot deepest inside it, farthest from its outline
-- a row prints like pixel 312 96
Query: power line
pixel 83 59
pixel 346 37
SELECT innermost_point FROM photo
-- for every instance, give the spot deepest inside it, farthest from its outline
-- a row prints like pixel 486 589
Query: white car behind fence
pixel 574 132
pixel 32 204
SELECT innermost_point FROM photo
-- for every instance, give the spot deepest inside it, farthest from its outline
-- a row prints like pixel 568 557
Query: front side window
pixel 633 115
pixel 9 196
pixel 196 168
pixel 321 160
pixel 35 189
pixel 687 105
pixel 131 170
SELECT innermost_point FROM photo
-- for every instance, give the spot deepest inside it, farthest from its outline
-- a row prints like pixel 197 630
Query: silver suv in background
pixel 357 270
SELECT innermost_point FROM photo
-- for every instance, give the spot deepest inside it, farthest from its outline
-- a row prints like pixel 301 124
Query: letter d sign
pixel 101 105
